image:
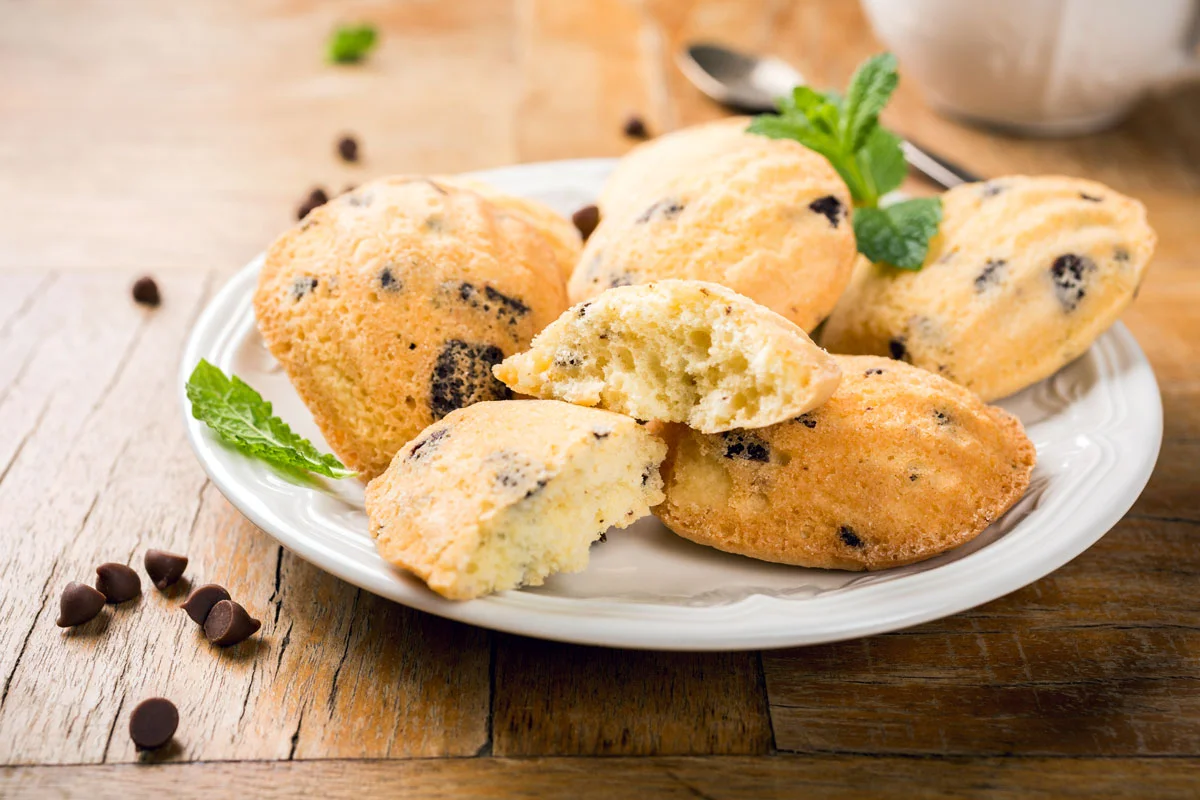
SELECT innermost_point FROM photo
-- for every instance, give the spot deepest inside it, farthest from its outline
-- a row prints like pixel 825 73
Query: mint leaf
pixel 881 164
pixel 898 234
pixel 242 418
pixel 870 89
pixel 351 43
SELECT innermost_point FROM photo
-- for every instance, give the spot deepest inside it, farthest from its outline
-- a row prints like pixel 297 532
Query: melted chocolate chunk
pixel 301 286
pixel 873 371
pixel 586 219
pixel 666 209
pixel 427 445
pixel 897 349
pixel 388 281
pixel 942 417
pixel 829 207
pixel 1121 254
pixel 462 375
pixel 507 309
pixel 992 273
pixel 1069 273
pixel 808 420
pixel 514 306
pixel 316 198
pixel 745 446
pixel 849 537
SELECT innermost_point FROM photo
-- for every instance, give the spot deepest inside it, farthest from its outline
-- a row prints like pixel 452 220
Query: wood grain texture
pixel 714 778
pixel 557 699
pixel 99 470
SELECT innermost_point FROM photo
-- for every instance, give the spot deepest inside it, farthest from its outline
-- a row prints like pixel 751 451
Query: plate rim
pixel 940 592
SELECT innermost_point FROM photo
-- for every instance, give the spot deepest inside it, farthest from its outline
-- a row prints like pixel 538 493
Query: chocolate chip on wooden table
pixel 635 127
pixel 117 582
pixel 201 601
pixel 164 568
pixel 316 198
pixel 228 623
pixel 586 219
pixel 153 723
pixel 79 604
pixel 145 291
pixel 347 148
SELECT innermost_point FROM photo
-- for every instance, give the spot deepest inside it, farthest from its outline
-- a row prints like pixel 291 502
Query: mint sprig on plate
pixel 242 418
pixel 847 132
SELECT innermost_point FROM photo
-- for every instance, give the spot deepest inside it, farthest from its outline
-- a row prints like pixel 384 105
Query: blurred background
pixel 153 135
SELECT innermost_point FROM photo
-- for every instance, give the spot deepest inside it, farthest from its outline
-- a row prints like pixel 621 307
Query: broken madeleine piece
pixel 502 494
pixel 677 351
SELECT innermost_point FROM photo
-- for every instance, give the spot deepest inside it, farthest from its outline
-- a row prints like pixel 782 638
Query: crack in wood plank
pixel 28 303
pixel 25 642
pixel 333 685
pixel 37 423
pixel 112 729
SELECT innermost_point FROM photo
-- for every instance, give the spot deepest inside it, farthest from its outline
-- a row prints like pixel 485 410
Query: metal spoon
pixel 751 84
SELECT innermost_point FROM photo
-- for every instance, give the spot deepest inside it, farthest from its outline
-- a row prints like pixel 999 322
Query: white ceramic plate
pixel 1097 425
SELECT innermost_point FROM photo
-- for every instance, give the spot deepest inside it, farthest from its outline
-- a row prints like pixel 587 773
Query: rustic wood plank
pixel 332 673
pixel 140 137
pixel 583 72
pixel 556 699
pixel 714 778
pixel 1100 658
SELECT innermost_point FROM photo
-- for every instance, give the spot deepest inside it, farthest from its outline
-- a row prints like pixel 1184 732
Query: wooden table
pixel 176 139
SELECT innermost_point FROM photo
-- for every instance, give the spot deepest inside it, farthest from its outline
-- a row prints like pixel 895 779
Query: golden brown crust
pixel 1025 273
pixel 767 218
pixel 388 306
pixel 898 466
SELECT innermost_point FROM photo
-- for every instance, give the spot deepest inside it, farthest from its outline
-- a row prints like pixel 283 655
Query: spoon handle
pixel 944 173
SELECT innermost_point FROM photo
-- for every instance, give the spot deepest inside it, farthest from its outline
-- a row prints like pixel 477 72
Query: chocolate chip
pixel 78 604
pixel 513 304
pixel 807 420
pixel 990 275
pixel 1121 254
pixel 201 601
pixel 942 417
pixel 412 346
pixel 117 582
pixel 620 279
pixel 164 568
pixel 1069 275
pixel 849 537
pixel 912 477
pixel 666 209
pixel 389 282
pixel 603 537
pixel 428 444
pixel 347 148
pixel 601 434
pixel 145 292
pixel 873 371
pixel 316 198
pixel 228 623
pixel 586 219
pixel 537 487
pixel 897 348
pixel 635 127
pixel 462 375
pixel 565 360
pixel 301 286
pixel 991 189
pixel 646 475
pixel 153 723
pixel 829 207
pixel 745 446
pixel 1091 198
pixel 582 311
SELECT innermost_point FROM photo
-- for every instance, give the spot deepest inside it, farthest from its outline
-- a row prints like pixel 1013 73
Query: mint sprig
pixel 242 418
pixel 868 157
pixel 351 43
